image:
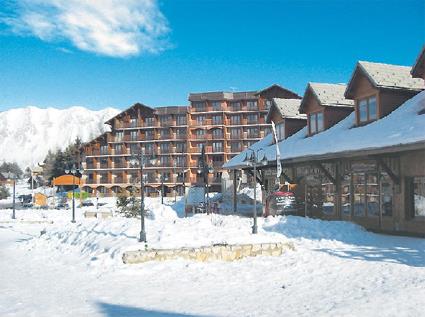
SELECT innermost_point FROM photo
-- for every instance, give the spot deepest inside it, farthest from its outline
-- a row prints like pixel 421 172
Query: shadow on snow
pixel 359 244
pixel 111 310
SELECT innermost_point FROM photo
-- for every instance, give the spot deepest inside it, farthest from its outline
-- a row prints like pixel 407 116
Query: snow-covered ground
pixel 337 269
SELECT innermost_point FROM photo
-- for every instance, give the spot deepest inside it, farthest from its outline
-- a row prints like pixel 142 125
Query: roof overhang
pixel 418 68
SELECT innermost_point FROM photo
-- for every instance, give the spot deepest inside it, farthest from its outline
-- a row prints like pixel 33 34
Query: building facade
pixel 171 138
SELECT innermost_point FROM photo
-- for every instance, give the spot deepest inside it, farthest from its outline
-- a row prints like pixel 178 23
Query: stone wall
pixel 223 252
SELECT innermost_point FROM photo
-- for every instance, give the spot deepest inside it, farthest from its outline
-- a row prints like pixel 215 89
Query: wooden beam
pixel 252 174
pixel 387 169
pixel 287 178
pixel 326 172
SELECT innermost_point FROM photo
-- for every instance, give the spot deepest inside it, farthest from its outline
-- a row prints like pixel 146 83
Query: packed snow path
pixel 338 270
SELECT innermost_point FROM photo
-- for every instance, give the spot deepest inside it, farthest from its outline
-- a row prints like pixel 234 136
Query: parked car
pixel 61 205
pixel 195 196
pixel 281 203
pixel 87 203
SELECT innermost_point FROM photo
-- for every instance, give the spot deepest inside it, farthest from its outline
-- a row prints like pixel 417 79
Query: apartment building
pixel 225 123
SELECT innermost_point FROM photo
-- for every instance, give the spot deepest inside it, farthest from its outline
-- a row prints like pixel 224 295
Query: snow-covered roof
pixel 418 69
pixel 328 95
pixel 404 126
pixel 391 76
pixel 287 108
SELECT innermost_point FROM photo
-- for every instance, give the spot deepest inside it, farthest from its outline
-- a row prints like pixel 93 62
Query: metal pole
pixel 254 227
pixel 14 201
pixel 206 189
pixel 162 189
pixel 73 199
pixel 175 182
pixel 142 237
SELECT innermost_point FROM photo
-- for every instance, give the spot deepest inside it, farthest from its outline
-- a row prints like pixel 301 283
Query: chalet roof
pixel 279 87
pixel 133 107
pixel 418 68
pixel 222 95
pixel 401 129
pixel 327 95
pixel 171 109
pixel 243 95
pixel 287 108
pixel 387 76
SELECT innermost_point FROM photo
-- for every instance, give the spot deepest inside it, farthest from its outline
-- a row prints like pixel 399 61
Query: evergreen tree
pixel 11 168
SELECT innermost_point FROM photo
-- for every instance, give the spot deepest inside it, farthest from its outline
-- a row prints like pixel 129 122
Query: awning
pixel 67 180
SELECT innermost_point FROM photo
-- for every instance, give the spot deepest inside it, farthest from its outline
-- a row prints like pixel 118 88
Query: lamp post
pixel 204 169
pixel 139 159
pixel 252 160
pixel 175 180
pixel 12 176
pixel 162 188
pixel 73 171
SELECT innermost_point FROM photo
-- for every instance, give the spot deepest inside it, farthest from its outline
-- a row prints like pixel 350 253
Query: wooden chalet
pixel 362 157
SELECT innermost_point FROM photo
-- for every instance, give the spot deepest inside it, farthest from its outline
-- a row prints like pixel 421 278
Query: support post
pixel 235 183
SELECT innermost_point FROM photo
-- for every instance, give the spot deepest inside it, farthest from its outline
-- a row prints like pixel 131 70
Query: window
pixel 346 194
pixel 253 118
pixel 235 133
pixel 217 134
pixel 164 133
pixel 200 120
pixel 149 148
pixel 133 135
pixel 180 161
pixel 118 149
pixel 386 195
pixel 200 133
pixel 133 122
pixel 134 148
pixel 181 133
pixel 235 147
pixel 149 122
pixel 418 196
pixel 235 119
pixel 181 147
pixel 359 180
pixel 329 195
pixel 164 161
pixel 104 150
pixel 252 105
pixel 165 148
pixel 217 146
pixel 181 120
pixel 252 132
pixel 280 131
pixel 149 135
pixel 216 105
pixel 199 106
pixel 119 136
pixel 217 119
pixel 315 122
pixel 200 146
pixel 268 104
pixel 235 106
pixel 367 110
pixel 165 120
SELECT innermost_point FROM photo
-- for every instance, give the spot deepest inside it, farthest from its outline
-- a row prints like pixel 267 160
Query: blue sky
pixel 158 52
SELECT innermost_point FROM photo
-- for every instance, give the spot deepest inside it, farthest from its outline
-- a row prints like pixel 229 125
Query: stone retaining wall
pixel 223 252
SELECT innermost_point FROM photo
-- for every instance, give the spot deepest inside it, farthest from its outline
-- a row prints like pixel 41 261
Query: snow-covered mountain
pixel 27 134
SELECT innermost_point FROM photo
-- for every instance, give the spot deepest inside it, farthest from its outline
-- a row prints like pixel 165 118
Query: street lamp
pixel 139 159
pixel 204 169
pixel 12 176
pixel 162 178
pixel 73 171
pixel 175 180
pixel 252 160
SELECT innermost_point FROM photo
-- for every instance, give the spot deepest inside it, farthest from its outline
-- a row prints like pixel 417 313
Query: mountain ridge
pixel 28 133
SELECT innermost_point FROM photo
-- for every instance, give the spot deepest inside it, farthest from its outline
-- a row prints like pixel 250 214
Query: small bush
pixel 4 192
pixel 128 205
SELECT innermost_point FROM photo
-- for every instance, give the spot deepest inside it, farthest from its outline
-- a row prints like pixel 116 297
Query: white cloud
pixel 116 28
